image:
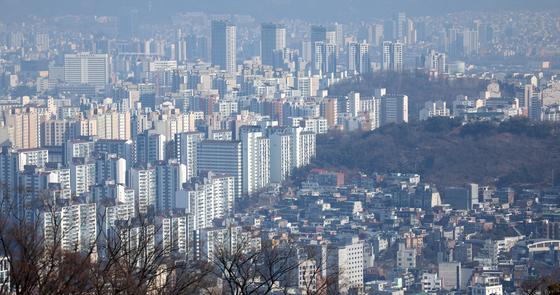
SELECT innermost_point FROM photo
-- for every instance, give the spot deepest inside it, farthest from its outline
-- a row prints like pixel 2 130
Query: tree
pixel 275 267
pixel 38 249
pixel 247 270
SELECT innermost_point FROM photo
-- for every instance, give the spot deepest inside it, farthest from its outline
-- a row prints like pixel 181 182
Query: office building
pixel 87 68
pixel 223 157
pixel 394 109
pixel 462 198
pixel 401 26
pixel 316 34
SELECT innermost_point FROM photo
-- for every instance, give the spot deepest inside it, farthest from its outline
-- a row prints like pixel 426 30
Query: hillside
pixel 418 86
pixel 516 153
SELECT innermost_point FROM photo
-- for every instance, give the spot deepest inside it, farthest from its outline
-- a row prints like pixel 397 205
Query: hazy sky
pixel 266 9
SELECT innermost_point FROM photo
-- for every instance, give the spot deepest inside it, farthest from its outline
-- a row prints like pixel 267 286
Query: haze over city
pixel 366 147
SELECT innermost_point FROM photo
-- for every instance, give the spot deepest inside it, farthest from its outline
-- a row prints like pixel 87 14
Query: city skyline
pixel 310 147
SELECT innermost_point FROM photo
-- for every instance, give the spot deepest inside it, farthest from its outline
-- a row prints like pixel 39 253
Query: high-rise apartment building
pixel 23 127
pixel 256 159
pixel 324 58
pixel 280 155
pixel 224 46
pixel 329 111
pixel 358 58
pixel 57 132
pixel 375 35
pixel 150 147
pixel 273 38
pixel 392 56
pixel 177 234
pixel 113 125
pixel 33 157
pixel 42 43
pixel 82 175
pixel 170 178
pixel 143 181
pixel 110 167
pixel 78 227
pixel 211 199
pixel 186 145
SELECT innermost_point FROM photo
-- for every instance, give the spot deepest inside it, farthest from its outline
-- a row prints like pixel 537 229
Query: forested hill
pixel 417 86
pixel 516 152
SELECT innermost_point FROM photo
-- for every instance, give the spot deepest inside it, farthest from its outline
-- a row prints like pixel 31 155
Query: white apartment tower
pixel 75 227
pixel 347 260
pixel 392 57
pixel 358 58
pixel 82 176
pixel 177 234
pixel 143 181
pixel 186 145
pixel 256 159
pixel 211 199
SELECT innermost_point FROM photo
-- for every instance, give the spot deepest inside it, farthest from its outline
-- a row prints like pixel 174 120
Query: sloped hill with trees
pixel 445 152
pixel 417 86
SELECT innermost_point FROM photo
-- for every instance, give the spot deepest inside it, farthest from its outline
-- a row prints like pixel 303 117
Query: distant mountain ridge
pixel 315 10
